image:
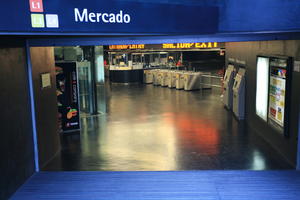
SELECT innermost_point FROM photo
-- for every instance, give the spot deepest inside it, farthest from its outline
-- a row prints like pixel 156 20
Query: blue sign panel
pixel 102 16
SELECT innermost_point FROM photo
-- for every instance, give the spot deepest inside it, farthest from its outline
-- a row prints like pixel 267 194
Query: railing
pixel 212 81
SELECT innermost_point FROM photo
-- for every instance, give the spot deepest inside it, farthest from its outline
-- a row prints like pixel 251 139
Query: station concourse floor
pixel 150 128
pixel 161 144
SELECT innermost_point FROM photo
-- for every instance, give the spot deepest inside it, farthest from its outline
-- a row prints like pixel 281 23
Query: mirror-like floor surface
pixel 150 128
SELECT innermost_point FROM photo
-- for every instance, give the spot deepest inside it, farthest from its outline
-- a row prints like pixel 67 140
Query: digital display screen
pixel 262 87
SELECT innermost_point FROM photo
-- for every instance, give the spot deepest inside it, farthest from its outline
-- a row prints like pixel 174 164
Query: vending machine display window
pixel 272 91
pixel 278 93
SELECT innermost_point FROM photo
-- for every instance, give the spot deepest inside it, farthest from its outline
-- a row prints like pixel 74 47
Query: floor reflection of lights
pixel 139 146
pixel 258 162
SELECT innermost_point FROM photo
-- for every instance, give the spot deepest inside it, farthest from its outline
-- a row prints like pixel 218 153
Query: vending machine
pixel 228 84
pixel 279 93
pixel 239 95
pixel 67 96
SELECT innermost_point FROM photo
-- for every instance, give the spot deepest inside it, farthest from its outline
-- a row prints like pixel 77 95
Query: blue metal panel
pixel 260 15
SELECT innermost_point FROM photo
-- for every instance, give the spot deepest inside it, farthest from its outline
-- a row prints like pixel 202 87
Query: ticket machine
pixel 228 83
pixel 239 95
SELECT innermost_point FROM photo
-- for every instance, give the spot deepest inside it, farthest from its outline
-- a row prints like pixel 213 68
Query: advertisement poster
pixel 277 92
pixel 67 96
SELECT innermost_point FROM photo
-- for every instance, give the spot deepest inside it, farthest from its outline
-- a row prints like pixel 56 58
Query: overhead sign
pixel 104 17
pixel 199 45
pixel 130 46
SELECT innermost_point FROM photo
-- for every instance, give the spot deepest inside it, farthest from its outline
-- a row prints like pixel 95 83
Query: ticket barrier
pixel 239 95
pixel 180 80
pixel 169 78
pixel 228 84
pixel 172 81
pixel 148 76
pixel 156 77
pixel 192 81
pixel 164 78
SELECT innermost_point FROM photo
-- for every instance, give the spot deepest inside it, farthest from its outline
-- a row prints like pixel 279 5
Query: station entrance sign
pixel 90 17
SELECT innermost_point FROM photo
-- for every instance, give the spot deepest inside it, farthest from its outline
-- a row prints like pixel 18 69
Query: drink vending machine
pixel 67 93
pixel 239 94
pixel 228 84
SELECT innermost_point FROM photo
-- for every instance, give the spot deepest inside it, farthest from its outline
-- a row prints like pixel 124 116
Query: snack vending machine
pixel 279 90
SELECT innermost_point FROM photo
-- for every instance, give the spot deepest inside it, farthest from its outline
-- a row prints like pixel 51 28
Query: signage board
pixel 89 17
pixel 197 45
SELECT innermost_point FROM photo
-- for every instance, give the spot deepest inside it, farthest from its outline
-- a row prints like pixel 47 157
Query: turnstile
pixel 180 80
pixel 172 81
pixel 164 78
pixel 192 81
pixel 156 77
pixel 148 76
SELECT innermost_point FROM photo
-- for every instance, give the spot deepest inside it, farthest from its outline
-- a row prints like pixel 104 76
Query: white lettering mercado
pixel 86 16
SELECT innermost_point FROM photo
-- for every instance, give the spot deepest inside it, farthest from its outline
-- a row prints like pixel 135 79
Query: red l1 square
pixel 36 5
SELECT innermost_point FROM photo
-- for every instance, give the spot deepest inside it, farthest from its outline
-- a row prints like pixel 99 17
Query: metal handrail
pixel 210 76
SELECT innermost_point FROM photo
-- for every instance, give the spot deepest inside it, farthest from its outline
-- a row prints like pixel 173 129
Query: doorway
pixel 175 129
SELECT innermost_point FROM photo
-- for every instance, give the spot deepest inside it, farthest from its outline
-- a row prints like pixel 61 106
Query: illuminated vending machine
pixel 279 93
pixel 239 95
pixel 67 96
pixel 228 83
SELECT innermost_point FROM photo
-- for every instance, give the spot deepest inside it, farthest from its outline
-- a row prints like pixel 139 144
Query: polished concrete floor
pixel 150 128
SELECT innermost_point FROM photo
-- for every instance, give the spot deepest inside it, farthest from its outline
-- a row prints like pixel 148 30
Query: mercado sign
pixel 199 45
pixel 105 17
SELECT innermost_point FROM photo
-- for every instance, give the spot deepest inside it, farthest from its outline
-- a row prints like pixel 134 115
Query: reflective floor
pixel 152 128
